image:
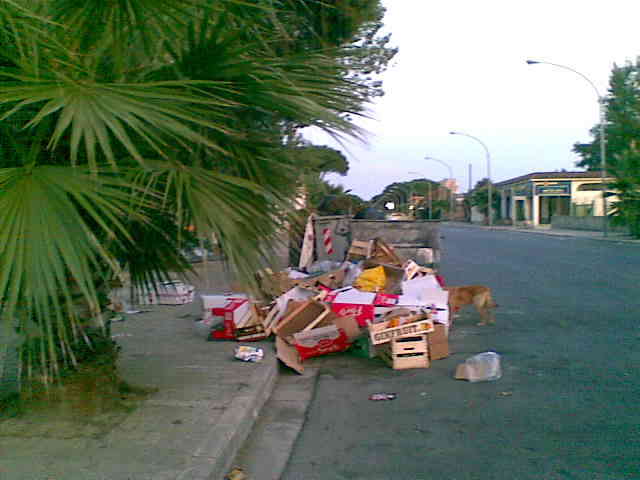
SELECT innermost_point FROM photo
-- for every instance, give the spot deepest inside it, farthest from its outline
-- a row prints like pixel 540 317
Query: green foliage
pixel 126 124
pixel 622 106
pixel 319 160
pixel 622 131
pixel 479 197
pixel 626 210
pixel 337 201
pixel 418 193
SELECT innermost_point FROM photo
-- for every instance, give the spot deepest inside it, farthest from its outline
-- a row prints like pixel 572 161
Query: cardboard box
pixel 288 355
pixel 175 293
pixel 331 280
pixel 406 352
pixel 438 342
pixel 234 313
pixel 274 284
pixel 381 252
pixel 209 302
pixel 310 329
pixel 351 302
pixel 309 314
pixel 382 333
pixel 320 341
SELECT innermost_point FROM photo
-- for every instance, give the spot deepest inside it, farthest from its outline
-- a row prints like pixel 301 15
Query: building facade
pixel 533 199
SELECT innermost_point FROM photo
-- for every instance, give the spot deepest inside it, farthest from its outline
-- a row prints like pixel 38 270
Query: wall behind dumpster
pixel 407 237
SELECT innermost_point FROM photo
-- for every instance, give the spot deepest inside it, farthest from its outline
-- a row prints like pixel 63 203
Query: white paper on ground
pixel 353 295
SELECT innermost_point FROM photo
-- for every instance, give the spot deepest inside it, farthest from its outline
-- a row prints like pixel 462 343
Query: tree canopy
pixel 622 132
pixel 125 125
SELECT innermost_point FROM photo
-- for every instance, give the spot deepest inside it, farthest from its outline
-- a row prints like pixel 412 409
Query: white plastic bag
pixel 323 266
pixel 354 270
pixel 483 367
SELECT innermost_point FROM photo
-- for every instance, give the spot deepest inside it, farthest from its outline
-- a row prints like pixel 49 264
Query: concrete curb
pixel 266 453
pixel 549 233
pixel 213 459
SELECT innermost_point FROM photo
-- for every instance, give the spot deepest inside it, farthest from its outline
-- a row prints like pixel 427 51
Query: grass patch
pixel 87 401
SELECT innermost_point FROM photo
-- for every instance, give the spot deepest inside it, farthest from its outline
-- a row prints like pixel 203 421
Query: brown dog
pixel 476 295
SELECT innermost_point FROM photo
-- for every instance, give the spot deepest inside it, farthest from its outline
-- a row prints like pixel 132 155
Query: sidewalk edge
pixel 217 451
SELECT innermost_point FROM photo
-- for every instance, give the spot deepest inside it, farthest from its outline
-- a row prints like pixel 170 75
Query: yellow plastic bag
pixel 371 280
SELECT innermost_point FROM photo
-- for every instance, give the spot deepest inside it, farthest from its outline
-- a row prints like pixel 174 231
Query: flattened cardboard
pixel 289 355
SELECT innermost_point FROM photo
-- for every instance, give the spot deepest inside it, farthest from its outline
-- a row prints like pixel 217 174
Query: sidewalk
pixel 592 235
pixel 190 429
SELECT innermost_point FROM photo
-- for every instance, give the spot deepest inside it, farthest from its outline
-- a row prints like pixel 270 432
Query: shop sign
pixel 522 189
pixel 553 188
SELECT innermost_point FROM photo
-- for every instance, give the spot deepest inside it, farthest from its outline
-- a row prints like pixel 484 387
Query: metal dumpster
pixel 409 238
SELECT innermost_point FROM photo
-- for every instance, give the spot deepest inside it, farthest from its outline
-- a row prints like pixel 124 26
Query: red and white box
pixel 232 312
pixel 320 341
pixel 364 306
pixel 351 302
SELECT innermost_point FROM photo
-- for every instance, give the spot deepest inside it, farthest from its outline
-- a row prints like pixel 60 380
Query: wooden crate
pixel 382 333
pixel 406 352
pixel 360 250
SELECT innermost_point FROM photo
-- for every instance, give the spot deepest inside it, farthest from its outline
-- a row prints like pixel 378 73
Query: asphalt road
pixel 565 408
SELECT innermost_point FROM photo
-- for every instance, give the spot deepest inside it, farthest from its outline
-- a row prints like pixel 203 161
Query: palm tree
pixel 124 122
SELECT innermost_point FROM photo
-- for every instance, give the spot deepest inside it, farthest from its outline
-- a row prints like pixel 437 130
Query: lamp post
pixel 451 203
pixel 490 205
pixel 603 148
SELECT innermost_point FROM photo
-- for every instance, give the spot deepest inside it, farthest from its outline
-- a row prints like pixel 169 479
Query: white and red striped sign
pixel 327 241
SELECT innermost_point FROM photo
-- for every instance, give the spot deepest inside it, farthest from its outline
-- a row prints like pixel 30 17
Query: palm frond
pixel 159 115
pixel 49 250
pixel 244 216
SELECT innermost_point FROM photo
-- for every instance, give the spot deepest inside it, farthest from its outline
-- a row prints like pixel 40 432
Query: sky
pixel 462 67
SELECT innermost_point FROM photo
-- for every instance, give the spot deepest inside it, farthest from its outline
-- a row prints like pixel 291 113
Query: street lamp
pixel 603 148
pixel 490 206
pixel 451 203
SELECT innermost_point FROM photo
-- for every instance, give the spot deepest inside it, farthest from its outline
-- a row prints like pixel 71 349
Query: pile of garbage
pixel 375 304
